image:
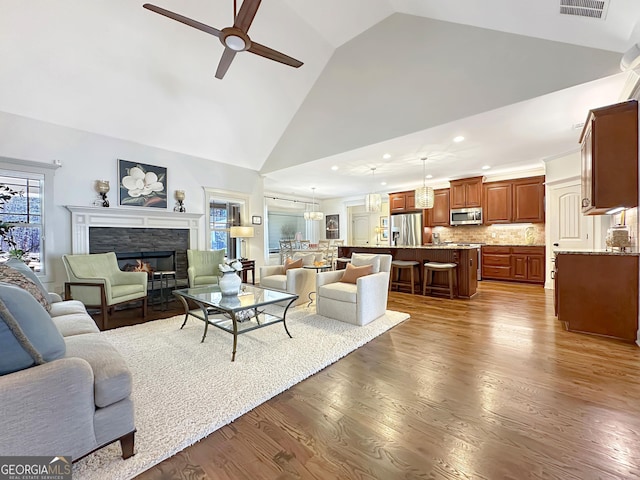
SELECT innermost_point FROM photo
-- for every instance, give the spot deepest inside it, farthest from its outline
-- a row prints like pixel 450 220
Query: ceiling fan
pixel 235 38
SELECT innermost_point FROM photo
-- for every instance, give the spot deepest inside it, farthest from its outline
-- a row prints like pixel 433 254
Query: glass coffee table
pixel 236 314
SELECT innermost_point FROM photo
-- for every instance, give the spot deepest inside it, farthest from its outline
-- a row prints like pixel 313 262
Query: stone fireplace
pixel 158 235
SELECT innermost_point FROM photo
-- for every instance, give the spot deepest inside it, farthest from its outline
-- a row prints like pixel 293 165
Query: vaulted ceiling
pixel 376 71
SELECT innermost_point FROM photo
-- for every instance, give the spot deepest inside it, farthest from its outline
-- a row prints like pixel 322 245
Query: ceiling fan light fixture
pixel 235 42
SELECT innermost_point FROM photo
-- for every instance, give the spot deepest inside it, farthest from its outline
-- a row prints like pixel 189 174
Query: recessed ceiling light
pixel 429 176
pixel 334 168
pixel 486 167
pixel 458 139
pixel 386 156
pixel 383 183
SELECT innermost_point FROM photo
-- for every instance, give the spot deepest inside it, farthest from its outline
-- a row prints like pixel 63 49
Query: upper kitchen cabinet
pixel 401 202
pixel 528 200
pixel 466 192
pixel 609 147
pixel 438 216
pixel 498 198
pixel 514 201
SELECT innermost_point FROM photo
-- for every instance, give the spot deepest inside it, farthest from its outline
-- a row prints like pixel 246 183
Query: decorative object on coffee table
pixel 230 281
pixel 102 187
pixel 179 196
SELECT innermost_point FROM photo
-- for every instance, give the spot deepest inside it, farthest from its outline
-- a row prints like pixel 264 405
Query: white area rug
pixel 183 389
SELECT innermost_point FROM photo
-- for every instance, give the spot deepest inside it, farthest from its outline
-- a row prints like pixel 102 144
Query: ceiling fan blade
pixel 272 54
pixel 225 62
pixel 246 14
pixel 183 19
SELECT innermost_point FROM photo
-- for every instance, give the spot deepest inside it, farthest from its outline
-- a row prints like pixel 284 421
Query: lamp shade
pixel 424 197
pixel 241 232
pixel 373 202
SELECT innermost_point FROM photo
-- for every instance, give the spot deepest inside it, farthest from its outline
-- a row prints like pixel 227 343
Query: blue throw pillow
pixel 28 336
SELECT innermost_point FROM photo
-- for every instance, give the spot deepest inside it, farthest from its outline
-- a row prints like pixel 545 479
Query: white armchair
pixel 358 303
pixel 300 281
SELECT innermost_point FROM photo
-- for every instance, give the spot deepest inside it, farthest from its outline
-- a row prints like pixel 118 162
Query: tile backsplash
pixel 492 234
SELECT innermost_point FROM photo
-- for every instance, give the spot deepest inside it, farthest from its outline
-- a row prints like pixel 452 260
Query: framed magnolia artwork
pixel 142 185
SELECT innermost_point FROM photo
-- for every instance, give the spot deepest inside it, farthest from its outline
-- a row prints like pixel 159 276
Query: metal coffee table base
pixel 231 323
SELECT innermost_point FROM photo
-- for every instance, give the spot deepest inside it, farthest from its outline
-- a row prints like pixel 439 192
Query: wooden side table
pixel 248 266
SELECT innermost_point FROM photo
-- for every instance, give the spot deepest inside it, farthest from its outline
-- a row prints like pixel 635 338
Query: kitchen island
pixel 596 292
pixel 466 257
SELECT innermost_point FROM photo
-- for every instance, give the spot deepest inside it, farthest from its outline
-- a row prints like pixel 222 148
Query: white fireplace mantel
pixel 82 218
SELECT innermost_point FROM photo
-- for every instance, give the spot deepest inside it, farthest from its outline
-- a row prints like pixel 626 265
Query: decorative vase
pixel 230 283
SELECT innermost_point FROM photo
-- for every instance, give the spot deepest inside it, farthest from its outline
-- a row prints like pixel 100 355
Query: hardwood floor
pixel 491 388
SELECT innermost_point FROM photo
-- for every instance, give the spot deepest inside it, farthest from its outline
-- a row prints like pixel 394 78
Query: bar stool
pixel 430 267
pixel 398 266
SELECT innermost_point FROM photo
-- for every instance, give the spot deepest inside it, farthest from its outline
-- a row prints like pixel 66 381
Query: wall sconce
pixel 102 187
pixel 179 196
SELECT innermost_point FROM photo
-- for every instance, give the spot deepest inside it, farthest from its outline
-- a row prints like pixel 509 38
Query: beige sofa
pixel 73 394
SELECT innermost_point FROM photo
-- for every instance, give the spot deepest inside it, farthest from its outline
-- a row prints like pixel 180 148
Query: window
pixel 284 226
pixel 21 214
pixel 28 213
pixel 223 215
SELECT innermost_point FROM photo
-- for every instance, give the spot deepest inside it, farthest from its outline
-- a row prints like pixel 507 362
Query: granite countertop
pixel 595 252
pixel 513 245
pixel 422 247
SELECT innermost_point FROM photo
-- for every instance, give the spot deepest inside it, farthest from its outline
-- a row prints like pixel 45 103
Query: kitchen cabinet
pixel 521 264
pixel 498 198
pixel 466 192
pixel 528 200
pixel 589 294
pixel 609 152
pixel 397 202
pixel 438 216
pixel 514 201
pixel 401 202
pixel 528 264
pixel 496 262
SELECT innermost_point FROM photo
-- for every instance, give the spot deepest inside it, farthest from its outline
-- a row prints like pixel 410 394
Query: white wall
pixel 563 167
pixel 87 157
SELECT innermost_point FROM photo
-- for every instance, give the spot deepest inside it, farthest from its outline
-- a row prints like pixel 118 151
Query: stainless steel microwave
pixel 466 216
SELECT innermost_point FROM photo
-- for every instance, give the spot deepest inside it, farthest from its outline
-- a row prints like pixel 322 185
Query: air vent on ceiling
pixel 584 8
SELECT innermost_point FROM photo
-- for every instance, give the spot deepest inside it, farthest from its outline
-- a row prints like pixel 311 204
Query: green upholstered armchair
pixel 97 281
pixel 203 266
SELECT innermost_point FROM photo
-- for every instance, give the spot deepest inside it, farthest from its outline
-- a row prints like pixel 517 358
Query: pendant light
pixel 313 214
pixel 373 201
pixel 424 194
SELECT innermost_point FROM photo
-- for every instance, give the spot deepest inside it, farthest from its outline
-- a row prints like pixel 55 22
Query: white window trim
pixel 10 166
pixel 228 197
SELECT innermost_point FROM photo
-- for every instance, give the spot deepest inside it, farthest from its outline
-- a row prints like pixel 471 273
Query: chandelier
pixel 424 194
pixel 373 201
pixel 313 214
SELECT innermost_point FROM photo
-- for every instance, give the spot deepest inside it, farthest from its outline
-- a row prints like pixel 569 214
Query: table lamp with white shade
pixel 242 233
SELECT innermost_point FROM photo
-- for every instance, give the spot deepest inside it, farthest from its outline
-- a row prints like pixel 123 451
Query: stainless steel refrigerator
pixel 406 230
